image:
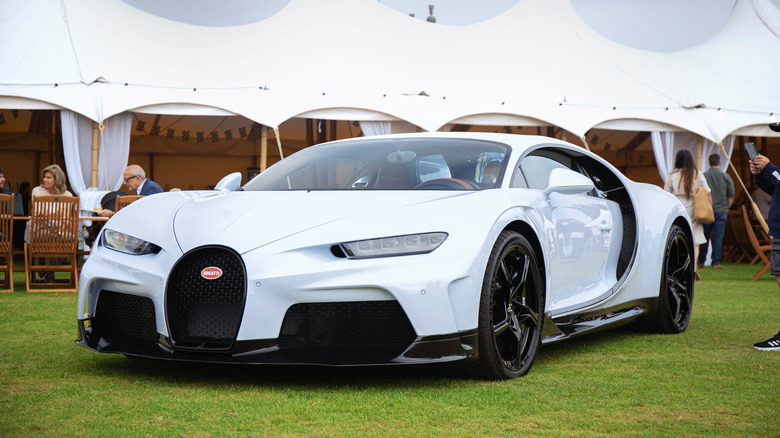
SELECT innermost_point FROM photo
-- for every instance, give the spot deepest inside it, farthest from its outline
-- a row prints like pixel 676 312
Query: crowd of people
pixel 54 182
pixel 682 181
pixel 686 178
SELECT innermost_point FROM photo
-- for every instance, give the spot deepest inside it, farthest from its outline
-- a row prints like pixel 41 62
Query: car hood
pixel 248 220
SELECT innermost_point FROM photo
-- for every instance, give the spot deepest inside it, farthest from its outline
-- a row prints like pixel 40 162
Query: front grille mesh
pixel 203 313
pixel 367 330
pixel 122 317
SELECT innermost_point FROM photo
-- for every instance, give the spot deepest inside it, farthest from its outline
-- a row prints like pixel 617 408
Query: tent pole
pixel 51 135
pixel 585 142
pixel 263 148
pixel 278 143
pixel 698 153
pixel 102 145
pixel 94 181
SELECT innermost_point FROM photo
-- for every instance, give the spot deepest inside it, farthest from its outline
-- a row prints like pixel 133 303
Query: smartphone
pixel 751 150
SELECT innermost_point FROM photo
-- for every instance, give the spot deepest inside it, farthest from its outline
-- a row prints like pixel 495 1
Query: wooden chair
pixel 762 250
pixel 736 244
pixel 54 224
pixel 124 201
pixel 6 243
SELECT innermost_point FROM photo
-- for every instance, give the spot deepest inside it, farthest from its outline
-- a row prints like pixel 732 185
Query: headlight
pixel 127 244
pixel 393 246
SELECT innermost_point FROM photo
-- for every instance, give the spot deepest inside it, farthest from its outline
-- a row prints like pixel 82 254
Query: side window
pixel 518 182
pixel 324 175
pixel 432 167
pixel 536 170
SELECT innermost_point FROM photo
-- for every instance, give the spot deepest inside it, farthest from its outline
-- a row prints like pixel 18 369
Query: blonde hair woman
pixel 53 182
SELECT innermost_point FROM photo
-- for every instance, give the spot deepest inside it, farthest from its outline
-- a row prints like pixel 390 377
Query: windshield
pixel 389 164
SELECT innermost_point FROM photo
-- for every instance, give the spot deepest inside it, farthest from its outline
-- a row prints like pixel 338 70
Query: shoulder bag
pixel 702 207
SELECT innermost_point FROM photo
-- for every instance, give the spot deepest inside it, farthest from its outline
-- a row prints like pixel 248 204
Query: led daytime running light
pixel 393 246
pixel 127 244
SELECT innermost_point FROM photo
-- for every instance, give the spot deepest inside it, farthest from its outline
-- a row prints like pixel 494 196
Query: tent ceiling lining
pixel 183 109
pixel 347 114
pixel 500 120
pixel 637 125
pixel 16 102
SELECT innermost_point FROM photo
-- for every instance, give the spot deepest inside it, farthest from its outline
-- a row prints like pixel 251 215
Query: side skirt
pixel 566 327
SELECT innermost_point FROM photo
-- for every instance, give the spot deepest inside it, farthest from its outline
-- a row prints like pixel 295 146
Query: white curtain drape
pixel 113 150
pixel 375 128
pixel 77 147
pixel 708 148
pixel 667 144
pixel 386 127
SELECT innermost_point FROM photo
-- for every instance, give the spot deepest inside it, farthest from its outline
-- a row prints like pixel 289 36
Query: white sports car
pixel 460 248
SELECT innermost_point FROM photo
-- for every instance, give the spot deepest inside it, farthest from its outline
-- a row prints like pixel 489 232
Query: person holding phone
pixel 767 177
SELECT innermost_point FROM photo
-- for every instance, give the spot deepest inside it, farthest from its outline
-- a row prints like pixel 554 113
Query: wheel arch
pixel 656 319
pixel 686 227
pixel 528 232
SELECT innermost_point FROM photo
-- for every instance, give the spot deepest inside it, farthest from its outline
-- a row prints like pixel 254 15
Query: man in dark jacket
pixel 767 178
pixel 135 180
pixel 722 191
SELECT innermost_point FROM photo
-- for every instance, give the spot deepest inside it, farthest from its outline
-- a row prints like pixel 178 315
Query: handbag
pixel 18 205
pixel 18 202
pixel 702 207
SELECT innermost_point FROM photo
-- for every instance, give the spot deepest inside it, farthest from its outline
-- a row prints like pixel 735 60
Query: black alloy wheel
pixel 511 310
pixel 675 297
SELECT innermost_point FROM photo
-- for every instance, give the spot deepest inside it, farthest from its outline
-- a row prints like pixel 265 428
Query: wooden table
pixel 17 251
pixel 81 218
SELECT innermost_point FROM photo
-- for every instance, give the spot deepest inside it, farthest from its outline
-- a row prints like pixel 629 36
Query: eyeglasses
pixel 130 177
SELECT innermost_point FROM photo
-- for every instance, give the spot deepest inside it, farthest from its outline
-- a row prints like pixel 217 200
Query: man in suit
pixel 135 180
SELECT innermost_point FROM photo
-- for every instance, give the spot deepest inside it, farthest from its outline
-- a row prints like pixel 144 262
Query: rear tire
pixel 511 310
pixel 675 297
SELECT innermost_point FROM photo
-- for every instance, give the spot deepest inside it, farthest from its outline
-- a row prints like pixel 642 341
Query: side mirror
pixel 229 183
pixel 568 182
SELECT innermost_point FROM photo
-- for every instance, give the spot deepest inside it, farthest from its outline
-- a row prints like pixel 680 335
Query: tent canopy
pixel 538 63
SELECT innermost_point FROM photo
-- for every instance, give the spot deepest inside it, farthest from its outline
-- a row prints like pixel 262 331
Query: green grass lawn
pixel 706 382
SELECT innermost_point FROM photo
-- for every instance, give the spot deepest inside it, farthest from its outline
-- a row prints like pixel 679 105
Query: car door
pixel 583 235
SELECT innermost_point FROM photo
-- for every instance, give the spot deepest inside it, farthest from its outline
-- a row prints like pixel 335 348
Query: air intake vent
pixel 122 317
pixel 360 332
pixel 205 299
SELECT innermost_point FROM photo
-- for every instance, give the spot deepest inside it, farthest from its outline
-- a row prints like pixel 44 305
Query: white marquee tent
pixel 536 64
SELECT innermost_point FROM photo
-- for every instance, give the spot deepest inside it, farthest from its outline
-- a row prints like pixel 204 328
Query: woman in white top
pixel 53 182
pixel 682 182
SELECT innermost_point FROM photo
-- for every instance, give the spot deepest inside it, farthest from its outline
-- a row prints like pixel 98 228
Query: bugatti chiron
pixel 468 249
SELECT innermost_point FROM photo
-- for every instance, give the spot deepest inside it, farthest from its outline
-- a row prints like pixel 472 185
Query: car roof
pixel 519 143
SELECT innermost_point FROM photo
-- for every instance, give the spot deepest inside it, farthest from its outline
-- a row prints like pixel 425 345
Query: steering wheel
pixel 444 184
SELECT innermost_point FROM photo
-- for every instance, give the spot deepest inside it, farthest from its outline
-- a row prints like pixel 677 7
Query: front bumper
pixel 338 312
pixel 428 349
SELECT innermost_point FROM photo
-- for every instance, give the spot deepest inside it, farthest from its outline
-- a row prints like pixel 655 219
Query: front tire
pixel 510 311
pixel 675 297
